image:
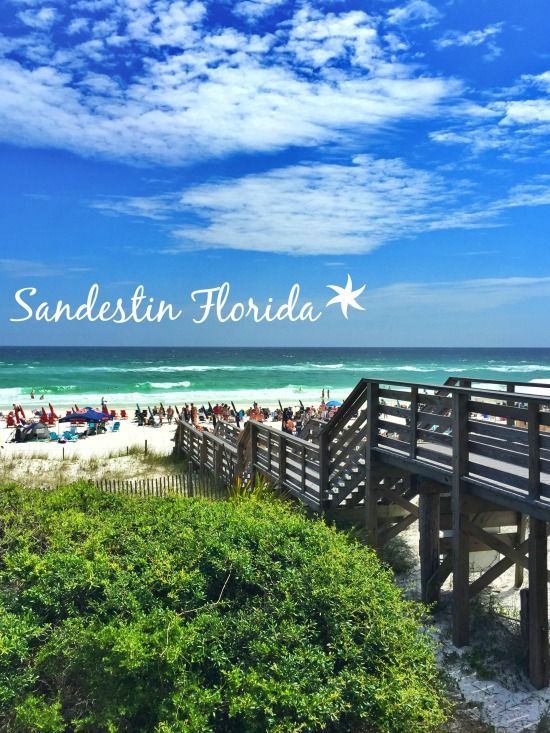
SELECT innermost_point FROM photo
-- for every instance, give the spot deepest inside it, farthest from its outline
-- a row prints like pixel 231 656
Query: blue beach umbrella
pixel 87 416
pixel 334 403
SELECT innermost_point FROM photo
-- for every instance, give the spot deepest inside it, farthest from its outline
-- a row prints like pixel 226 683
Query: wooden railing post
pixel 218 465
pixel 371 496
pixel 510 387
pixel 282 461
pixel 204 452
pixel 324 459
pixel 533 439
pixel 461 574
pixel 253 451
pixel 414 419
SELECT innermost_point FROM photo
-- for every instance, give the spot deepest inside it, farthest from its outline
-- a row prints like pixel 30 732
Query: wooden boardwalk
pixel 471 464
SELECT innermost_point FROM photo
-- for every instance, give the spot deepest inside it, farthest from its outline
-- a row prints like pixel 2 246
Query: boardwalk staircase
pixel 469 461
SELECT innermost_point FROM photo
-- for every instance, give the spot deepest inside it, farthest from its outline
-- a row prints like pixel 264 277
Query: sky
pixel 180 145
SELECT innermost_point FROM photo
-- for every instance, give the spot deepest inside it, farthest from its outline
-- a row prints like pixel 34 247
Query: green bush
pixel 185 615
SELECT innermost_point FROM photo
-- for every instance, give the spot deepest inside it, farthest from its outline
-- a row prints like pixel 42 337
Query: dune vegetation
pixel 120 614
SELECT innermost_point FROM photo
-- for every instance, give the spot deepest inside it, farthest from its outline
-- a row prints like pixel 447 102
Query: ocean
pixel 148 376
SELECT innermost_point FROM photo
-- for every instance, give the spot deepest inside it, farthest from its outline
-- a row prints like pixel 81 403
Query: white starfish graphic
pixel 346 297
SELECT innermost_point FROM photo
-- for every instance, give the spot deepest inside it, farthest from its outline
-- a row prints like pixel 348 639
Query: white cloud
pixel 316 208
pixel 157 208
pixel 458 296
pixel 255 9
pixel 468 38
pixel 192 91
pixel 325 208
pixel 515 122
pixel 42 19
pixel 418 12
pixel 317 39
pixel 31 268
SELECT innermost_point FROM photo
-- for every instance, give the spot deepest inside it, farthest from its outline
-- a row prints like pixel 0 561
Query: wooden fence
pixel 189 484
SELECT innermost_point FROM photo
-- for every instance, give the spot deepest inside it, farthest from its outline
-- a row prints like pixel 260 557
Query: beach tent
pixel 36 431
pixel 334 403
pixel 86 416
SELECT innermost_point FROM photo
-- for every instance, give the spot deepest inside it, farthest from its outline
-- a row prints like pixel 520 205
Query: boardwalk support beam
pixel 538 605
pixel 429 513
pixel 461 577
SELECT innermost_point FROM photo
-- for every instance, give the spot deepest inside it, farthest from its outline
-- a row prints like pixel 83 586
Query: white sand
pixel 130 434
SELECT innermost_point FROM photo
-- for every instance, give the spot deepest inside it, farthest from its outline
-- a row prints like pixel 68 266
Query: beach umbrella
pixel 333 403
pixel 52 411
pixel 86 416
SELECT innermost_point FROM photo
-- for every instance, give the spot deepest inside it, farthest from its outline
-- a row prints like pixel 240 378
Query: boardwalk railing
pixel 291 463
pixel 500 439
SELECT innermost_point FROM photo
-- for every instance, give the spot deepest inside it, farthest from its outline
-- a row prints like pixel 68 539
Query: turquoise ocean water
pixel 148 376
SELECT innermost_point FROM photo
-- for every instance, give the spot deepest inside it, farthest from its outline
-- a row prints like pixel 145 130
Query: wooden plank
pixel 496 410
pixel 436 473
pixel 498 430
pixel 460 553
pixel 493 541
pixel 433 418
pixel 510 498
pixel 398 499
pixel 395 427
pixel 391 532
pixel 501 453
pixel 498 475
pixel 393 394
pixel 339 441
pixel 538 605
pixel 434 436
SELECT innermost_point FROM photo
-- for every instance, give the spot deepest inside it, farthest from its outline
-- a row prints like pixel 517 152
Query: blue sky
pixel 180 144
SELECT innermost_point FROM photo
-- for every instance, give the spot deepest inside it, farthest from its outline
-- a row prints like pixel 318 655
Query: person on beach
pixel 194 415
pixel 32 394
pixel 169 414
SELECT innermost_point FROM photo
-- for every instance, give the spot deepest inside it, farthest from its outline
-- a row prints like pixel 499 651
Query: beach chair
pixel 123 415
pixel 54 436
pixel 113 414
pixel 116 427
pixel 70 437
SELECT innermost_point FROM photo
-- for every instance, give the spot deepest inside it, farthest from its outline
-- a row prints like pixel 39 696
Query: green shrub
pixel 186 615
